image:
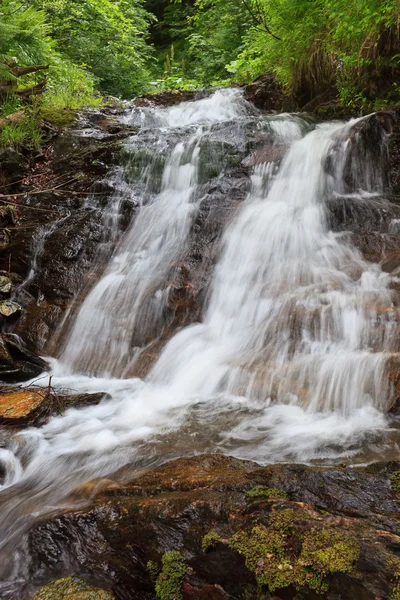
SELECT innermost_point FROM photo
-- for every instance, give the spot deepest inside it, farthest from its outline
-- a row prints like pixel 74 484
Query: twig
pixel 25 205
pixel 259 21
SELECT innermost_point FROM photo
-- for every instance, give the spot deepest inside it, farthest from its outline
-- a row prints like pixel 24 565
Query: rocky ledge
pixel 215 527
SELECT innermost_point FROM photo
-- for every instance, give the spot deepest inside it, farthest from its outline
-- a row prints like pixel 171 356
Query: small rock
pixel 5 284
pixel 8 308
pixel 72 588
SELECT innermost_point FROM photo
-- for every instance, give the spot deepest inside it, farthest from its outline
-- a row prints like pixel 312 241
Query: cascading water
pixel 288 362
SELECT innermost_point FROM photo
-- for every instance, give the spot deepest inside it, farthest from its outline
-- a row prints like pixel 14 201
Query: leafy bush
pixel 106 36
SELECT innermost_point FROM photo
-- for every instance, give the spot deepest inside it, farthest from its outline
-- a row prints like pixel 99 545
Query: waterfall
pixel 291 317
pixel 288 361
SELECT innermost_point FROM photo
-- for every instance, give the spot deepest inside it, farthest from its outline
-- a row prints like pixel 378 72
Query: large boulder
pixel 216 527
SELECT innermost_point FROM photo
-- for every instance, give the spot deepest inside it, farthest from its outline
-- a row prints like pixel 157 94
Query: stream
pixel 288 361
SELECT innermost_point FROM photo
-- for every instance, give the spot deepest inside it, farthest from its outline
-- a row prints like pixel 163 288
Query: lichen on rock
pixel 72 588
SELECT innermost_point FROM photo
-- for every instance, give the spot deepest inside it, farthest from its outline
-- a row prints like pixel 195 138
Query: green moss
pixel 153 569
pixel 72 588
pixel 328 551
pixel 395 593
pixel 395 479
pixel 210 540
pixel 393 565
pixel 169 581
pixel 280 555
pixel 262 490
pixel 61 117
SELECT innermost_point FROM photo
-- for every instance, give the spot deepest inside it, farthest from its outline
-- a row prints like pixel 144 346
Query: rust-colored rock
pixel 18 407
pixel 32 407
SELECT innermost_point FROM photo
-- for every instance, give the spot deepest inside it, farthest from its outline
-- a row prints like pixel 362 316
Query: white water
pixel 287 364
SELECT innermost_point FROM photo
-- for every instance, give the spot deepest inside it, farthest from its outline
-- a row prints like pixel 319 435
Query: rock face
pixel 59 231
pixel 217 527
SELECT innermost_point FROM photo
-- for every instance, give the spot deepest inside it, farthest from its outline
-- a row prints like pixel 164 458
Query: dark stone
pixel 266 94
pixel 12 163
pixel 17 362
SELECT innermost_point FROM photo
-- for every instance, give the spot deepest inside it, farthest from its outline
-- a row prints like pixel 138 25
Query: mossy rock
pixel 72 588
pixel 281 555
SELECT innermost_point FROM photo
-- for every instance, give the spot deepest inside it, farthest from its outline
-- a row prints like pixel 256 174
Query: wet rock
pixel 391 263
pixel 366 143
pixel 19 408
pixel 273 153
pixel 72 588
pixel 191 524
pixel 394 155
pixel 33 406
pixel 216 157
pixel 13 164
pixel 77 157
pixel 266 94
pixel 17 362
pixel 8 308
pixel 370 222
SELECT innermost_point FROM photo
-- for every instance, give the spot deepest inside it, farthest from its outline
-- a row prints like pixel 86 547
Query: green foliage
pixel 106 36
pixel 323 43
pixel 169 581
pixel 23 133
pixel 262 490
pixel 173 77
pixel 310 45
pixel 24 34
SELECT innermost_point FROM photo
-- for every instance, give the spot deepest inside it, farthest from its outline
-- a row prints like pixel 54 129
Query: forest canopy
pixel 127 47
